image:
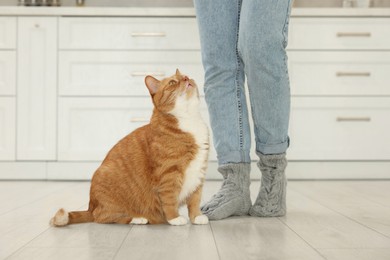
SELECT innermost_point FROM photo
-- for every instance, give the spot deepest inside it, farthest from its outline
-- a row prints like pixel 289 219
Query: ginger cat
pixel 155 169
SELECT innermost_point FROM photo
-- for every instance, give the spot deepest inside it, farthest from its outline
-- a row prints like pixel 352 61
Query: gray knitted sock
pixel 233 198
pixel 271 201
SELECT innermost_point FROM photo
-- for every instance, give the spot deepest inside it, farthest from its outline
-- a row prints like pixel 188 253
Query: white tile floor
pixel 326 220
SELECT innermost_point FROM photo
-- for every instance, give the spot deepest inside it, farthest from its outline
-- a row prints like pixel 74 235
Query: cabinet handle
pixel 353 34
pixel 148 34
pixel 353 74
pixel 146 73
pixel 353 119
pixel 140 120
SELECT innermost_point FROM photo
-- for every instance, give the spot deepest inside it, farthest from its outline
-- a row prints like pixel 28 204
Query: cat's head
pixel 174 94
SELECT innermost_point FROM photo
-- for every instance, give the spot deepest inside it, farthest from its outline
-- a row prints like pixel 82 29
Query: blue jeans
pixel 245 39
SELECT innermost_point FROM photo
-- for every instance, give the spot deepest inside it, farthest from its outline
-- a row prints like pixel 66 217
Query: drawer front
pixel 7 73
pixel 340 129
pixel 106 73
pixel 7 32
pixel 90 127
pixel 7 128
pixel 129 33
pixel 339 33
pixel 339 73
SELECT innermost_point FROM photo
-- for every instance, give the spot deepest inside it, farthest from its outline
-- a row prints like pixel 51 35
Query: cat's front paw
pixel 179 221
pixel 201 220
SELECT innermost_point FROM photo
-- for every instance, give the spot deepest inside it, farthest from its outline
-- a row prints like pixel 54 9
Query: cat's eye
pixel 172 82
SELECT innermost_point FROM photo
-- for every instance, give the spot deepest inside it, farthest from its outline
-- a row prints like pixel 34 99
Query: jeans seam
pixel 285 35
pixel 238 93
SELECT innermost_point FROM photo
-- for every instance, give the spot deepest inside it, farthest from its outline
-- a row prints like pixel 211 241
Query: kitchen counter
pixel 177 11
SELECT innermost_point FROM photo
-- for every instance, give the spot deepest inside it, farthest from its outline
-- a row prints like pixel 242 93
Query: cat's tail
pixel 63 218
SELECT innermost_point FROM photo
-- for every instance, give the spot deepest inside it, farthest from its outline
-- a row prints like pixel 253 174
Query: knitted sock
pixel 233 198
pixel 271 201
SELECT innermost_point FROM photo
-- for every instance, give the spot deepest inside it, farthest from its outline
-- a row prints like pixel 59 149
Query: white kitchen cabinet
pixel 340 91
pixel 312 33
pixel 340 129
pixel 7 88
pixel 7 32
pixel 122 73
pixel 89 127
pixel 107 33
pixel 102 66
pixel 51 125
pixel 7 73
pixel 37 88
pixel 331 73
pixel 7 128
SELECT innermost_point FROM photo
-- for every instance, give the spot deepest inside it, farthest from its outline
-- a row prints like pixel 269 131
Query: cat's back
pixel 132 144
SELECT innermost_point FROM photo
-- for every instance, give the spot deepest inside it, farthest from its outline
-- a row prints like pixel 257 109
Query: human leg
pixel 225 97
pixel 262 43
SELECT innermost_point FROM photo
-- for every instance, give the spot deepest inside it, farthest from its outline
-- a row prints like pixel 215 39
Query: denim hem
pixel 234 157
pixel 272 148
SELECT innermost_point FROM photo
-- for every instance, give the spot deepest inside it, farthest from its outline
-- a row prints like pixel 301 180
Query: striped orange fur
pixel 156 168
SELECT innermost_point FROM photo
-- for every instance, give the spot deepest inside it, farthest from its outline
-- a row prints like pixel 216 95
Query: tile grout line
pixel 215 241
pixel 123 241
pixel 304 240
pixel 26 244
pixel 376 202
pixel 369 199
pixel 345 216
pixel 38 199
pixel 34 238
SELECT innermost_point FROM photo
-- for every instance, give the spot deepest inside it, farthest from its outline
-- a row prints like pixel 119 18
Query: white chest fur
pixel 190 121
pixel 196 170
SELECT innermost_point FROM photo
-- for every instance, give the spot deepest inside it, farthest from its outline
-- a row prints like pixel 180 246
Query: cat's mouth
pixel 188 85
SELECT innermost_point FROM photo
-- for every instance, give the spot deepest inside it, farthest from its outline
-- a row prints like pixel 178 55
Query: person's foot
pixel 271 201
pixel 233 198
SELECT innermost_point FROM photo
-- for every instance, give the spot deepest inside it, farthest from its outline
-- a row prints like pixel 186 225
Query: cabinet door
pixel 122 73
pixel 339 33
pixel 109 33
pixel 37 88
pixel 7 32
pixel 89 127
pixel 352 73
pixel 7 128
pixel 340 129
pixel 7 73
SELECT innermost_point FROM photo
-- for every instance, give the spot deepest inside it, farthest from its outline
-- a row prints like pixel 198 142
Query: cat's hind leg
pixel 139 221
pixel 105 216
pixel 117 218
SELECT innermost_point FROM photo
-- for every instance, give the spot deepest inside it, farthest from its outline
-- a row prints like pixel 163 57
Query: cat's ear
pixel 178 72
pixel 152 84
